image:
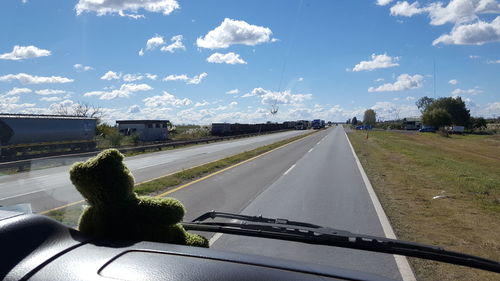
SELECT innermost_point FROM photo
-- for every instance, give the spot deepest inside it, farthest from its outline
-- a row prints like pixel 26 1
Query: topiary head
pixel 103 179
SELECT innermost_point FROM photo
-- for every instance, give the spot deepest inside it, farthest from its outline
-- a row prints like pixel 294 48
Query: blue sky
pixel 232 61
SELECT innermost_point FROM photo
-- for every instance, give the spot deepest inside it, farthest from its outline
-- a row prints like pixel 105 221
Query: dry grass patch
pixel 408 170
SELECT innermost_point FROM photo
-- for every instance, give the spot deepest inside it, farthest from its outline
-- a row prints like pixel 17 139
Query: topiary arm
pixel 164 210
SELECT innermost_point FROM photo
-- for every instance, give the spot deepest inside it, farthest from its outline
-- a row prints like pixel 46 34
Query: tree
pixel 81 109
pixel 354 121
pixel 478 123
pixel 370 117
pixel 348 121
pixel 456 107
pixel 437 117
pixel 423 103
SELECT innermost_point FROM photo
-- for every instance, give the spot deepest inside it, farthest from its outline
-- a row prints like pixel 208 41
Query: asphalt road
pixel 315 180
pixel 50 188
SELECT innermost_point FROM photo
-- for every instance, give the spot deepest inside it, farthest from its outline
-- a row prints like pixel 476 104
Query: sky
pixel 199 62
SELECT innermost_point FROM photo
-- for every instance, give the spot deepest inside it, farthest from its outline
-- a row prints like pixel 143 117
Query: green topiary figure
pixel 116 212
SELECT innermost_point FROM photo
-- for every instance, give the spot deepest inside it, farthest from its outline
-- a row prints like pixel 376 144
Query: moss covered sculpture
pixel 116 212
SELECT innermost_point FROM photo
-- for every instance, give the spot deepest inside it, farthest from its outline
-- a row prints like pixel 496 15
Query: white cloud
pixel 229 58
pixel 233 92
pixel 410 98
pixel 232 104
pixel 204 103
pixel 151 76
pixel 132 77
pixel 141 52
pixel 459 92
pixel 154 42
pixel 50 99
pixel 175 77
pixel 232 32
pixel 183 77
pixel 271 98
pixel 197 79
pixel 30 79
pixel 406 9
pixel 120 7
pixel 124 92
pixel 403 82
pixel 460 11
pixel 165 100
pixel 134 109
pixel 10 103
pixel 383 2
pixel 25 52
pixel 493 61
pixel 390 111
pixel 81 67
pixel 175 45
pixel 477 33
pixel 378 80
pixel 46 92
pixel 453 82
pixel 110 75
pixel 300 79
pixel 17 91
pixel 378 61
pixel 474 56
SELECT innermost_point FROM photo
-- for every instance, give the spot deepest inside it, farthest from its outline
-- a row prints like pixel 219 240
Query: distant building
pixel 148 130
pixel 412 123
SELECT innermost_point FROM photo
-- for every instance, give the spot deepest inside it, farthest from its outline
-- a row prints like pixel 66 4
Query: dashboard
pixel 35 247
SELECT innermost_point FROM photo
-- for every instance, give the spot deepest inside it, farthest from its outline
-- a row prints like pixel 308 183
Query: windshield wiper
pixel 283 229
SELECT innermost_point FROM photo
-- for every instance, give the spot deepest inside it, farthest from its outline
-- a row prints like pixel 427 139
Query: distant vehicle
pixel 41 134
pixel 302 125
pixel 412 123
pixel 231 129
pixel 364 127
pixel 318 124
pixel 457 129
pixel 429 129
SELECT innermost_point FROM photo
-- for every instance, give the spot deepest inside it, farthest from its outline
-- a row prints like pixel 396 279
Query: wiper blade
pixel 283 229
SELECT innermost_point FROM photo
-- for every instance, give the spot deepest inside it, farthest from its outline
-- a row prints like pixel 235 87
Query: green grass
pixel 408 170
pixel 70 215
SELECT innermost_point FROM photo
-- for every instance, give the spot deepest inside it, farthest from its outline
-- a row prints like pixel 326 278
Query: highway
pixel 49 188
pixel 316 180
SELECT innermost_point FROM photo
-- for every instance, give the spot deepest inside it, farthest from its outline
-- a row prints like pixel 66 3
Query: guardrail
pixel 58 160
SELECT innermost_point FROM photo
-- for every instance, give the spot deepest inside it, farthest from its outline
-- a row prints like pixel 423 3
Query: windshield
pixel 377 117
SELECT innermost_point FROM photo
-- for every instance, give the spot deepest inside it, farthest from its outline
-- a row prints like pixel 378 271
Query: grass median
pixel 70 215
pixel 438 191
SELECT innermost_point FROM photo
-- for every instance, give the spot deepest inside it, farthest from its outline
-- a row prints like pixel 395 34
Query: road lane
pixel 50 188
pixel 314 180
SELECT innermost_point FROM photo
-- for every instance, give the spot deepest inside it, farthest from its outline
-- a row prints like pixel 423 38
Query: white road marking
pixel 401 261
pixel 22 194
pixel 218 235
pixel 289 169
pixel 310 150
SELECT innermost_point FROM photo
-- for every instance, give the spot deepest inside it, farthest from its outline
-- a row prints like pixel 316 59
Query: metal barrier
pixel 26 164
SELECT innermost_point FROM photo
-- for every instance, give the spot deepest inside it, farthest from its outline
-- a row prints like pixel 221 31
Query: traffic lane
pixel 324 188
pixel 51 188
pixel 234 189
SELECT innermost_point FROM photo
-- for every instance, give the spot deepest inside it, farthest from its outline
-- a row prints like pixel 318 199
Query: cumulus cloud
pixel 154 42
pixel 378 61
pixel 233 92
pixel 166 99
pixel 81 67
pixel 124 92
pixel 141 52
pixel 110 75
pixel 46 92
pixel 175 45
pixel 406 9
pixel 477 33
pixel 183 77
pixel 25 52
pixel 453 81
pixel 459 92
pixel 50 99
pixel 17 91
pixel 233 32
pixel 30 79
pixel 229 58
pixel 403 82
pixel 383 2
pixel 121 7
pixel 300 79
pixel 272 98
pixel 493 62
pixel 134 109
pixel 204 103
